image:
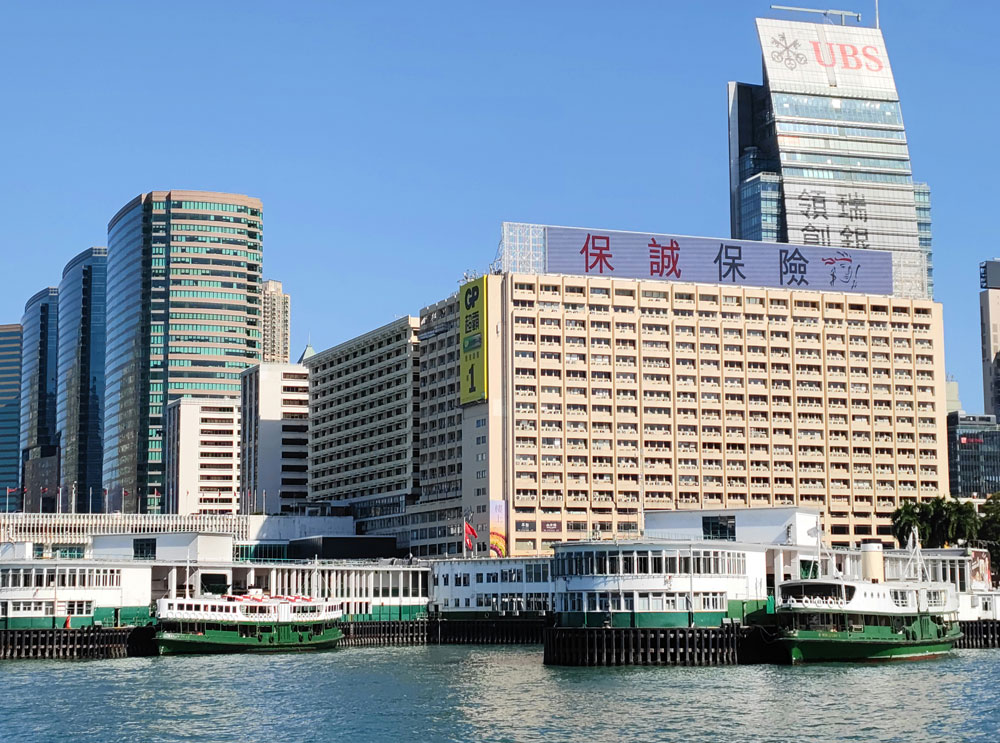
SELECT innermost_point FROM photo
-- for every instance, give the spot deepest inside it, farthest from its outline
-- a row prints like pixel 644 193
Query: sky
pixel 388 141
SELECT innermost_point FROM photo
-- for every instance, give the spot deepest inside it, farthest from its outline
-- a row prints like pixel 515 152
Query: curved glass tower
pixel 184 285
pixel 80 409
pixel 39 441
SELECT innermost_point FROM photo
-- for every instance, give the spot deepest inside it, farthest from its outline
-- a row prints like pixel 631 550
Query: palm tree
pixel 965 521
pixel 904 519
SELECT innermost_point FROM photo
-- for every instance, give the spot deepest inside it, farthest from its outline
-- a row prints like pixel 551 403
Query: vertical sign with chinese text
pixel 472 338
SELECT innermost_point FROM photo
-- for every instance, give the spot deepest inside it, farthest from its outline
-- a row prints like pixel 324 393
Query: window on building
pixel 719 527
pixel 143 549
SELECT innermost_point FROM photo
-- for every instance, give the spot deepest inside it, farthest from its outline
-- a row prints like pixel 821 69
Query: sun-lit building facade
pixel 184 310
pixel 818 154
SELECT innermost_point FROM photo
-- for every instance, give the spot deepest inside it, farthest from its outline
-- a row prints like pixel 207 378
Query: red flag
pixel 470 534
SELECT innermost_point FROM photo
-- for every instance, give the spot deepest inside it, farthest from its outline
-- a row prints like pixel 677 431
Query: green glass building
pixel 184 312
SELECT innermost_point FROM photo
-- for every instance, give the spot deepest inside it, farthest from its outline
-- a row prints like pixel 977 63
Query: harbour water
pixel 465 693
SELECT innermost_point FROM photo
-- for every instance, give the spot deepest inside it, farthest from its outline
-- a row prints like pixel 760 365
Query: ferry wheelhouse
pixel 250 623
pixel 838 619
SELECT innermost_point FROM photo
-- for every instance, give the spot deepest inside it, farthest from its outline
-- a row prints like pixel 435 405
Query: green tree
pixel 904 519
pixel 939 522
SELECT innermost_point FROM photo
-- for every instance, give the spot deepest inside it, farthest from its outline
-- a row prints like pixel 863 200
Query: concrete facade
pixel 277 323
pixel 274 439
pixel 363 415
pixel 203 455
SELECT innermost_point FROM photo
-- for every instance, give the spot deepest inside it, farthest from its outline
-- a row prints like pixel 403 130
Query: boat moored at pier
pixel 831 619
pixel 249 623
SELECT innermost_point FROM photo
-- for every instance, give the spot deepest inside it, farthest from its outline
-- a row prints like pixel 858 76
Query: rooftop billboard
pixel 710 260
pixel 850 61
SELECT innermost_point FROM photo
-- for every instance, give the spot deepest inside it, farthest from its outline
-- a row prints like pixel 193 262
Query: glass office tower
pixel 80 406
pixel 10 418
pixel 39 440
pixel 184 285
pixel 818 153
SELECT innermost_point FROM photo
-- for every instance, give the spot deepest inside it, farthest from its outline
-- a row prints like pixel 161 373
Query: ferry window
pixel 588 563
pixel 719 527
pixel 658 564
pixel 684 564
pixel 629 602
pixel 643 602
pixel 143 549
pixel 616 602
pixel 602 563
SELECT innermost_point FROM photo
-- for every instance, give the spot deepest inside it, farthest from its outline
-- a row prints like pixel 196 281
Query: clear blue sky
pixel 389 140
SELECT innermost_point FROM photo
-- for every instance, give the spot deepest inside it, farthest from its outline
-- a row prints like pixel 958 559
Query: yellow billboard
pixel 472 337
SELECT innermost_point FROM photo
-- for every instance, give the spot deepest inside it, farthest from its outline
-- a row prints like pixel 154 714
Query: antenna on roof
pixel 827 13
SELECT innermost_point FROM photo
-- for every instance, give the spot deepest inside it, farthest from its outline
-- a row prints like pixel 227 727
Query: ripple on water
pixel 466 693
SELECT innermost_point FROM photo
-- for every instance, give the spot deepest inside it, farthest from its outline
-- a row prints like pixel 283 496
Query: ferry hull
pixel 804 650
pixel 175 643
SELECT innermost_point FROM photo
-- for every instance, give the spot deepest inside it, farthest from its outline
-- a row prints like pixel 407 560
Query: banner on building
pixel 710 260
pixel 498 528
pixel 473 338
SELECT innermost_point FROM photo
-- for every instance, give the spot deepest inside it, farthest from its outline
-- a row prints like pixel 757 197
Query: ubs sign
pixel 810 53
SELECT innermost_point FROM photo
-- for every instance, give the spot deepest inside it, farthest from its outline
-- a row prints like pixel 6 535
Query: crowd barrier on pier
pixel 980 634
pixel 640 646
pixel 443 632
pixel 85 642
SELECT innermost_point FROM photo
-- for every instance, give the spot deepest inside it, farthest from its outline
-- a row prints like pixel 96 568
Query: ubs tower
pixel 818 153
pixel 80 404
pixel 184 283
pixel 39 441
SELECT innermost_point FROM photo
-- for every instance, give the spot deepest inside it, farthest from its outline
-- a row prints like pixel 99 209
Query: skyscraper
pixel 989 325
pixel 818 153
pixel 80 406
pixel 39 440
pixel 277 323
pixel 184 284
pixel 10 417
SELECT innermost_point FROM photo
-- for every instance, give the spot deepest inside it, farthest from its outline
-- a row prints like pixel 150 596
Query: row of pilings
pixel 979 635
pixel 642 646
pixel 436 631
pixel 81 643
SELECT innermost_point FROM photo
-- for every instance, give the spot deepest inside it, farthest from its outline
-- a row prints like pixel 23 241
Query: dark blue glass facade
pixel 39 440
pixel 973 455
pixel 127 364
pixel 183 309
pixel 10 417
pixel 80 407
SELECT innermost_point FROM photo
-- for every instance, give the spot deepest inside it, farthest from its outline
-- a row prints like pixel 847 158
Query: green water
pixel 464 693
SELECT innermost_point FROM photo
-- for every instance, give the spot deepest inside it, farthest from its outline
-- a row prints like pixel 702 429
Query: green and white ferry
pixel 248 623
pixel 838 619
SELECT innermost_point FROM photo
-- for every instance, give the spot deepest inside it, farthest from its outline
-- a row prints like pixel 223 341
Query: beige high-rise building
pixel 277 324
pixel 275 438
pixel 203 456
pixel 565 406
pixel 608 398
